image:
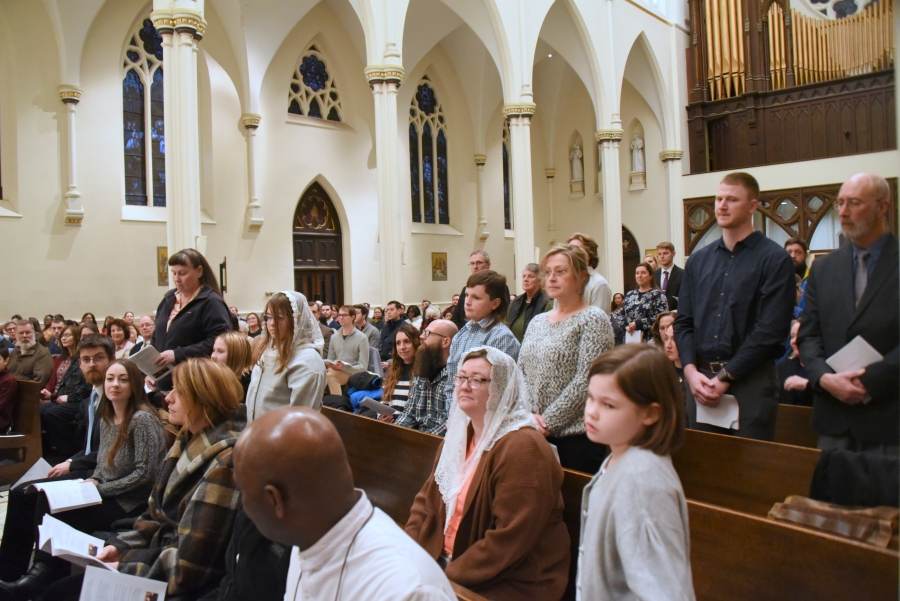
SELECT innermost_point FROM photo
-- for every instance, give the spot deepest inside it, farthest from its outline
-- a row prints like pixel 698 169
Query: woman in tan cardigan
pixel 492 511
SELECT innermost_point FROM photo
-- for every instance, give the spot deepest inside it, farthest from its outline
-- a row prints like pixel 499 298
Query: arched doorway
pixel 631 258
pixel 318 261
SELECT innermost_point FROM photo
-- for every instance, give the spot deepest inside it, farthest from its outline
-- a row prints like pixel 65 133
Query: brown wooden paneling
pixel 836 118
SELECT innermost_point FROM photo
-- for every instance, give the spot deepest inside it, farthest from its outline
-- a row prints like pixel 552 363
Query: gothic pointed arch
pixel 143 116
pixel 317 243
pixel 428 165
pixel 313 90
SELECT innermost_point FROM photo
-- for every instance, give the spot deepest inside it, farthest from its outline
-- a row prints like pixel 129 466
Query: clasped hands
pixel 707 391
pixel 846 386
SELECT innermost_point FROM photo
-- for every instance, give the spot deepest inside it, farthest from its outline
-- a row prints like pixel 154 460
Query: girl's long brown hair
pixel 278 306
pixel 397 365
pixel 137 400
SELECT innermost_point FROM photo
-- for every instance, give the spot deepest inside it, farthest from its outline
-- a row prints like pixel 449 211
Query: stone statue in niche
pixel 637 154
pixel 638 171
pixel 576 186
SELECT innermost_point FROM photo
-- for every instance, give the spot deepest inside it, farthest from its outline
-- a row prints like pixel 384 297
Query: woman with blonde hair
pixel 182 537
pixel 288 369
pixel 557 353
pixel 232 349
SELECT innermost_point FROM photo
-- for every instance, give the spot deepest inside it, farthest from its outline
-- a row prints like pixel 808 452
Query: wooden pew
pixel 742 474
pixel 794 426
pixel 26 420
pixel 734 556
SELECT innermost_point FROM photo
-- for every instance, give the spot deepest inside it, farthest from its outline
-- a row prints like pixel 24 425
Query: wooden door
pixel 631 258
pixel 318 256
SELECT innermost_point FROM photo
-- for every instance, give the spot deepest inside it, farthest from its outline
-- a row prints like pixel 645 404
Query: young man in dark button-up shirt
pixel 734 313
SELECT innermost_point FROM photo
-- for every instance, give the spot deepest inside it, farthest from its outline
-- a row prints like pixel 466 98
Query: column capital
pixel 612 135
pixel 671 155
pixel 480 159
pixel 384 73
pixel 69 94
pixel 179 21
pixel 525 109
pixel 251 120
pixel 550 173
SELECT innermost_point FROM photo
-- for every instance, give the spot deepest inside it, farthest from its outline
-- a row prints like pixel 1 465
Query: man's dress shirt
pixel 736 305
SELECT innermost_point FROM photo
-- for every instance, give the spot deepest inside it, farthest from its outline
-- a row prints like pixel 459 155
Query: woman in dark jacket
pixel 533 301
pixel 189 317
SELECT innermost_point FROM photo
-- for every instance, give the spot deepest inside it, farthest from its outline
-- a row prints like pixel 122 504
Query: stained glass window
pixel 428 158
pixel 507 206
pixel 143 118
pixel 313 91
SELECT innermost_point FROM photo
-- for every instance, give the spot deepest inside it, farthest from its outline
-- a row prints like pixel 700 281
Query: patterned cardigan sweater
pixel 183 536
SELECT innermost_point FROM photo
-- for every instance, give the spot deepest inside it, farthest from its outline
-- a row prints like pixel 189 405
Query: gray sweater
pixel 352 351
pixel 137 463
pixel 635 541
pixel 300 384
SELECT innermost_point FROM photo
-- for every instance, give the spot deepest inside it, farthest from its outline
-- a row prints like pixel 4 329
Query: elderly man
pixel 30 360
pixel 852 292
pixel 428 406
pixel 297 488
pixel 146 325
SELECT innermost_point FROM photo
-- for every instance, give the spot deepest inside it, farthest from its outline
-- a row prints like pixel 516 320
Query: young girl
pixel 232 349
pixel 288 358
pixel 634 532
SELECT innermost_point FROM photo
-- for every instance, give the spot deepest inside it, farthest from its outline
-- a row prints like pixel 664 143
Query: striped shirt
pixel 400 394
pixel 475 334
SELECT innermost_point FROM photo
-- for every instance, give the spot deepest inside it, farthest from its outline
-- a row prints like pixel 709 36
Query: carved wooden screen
pixel 808 213
pixel 318 260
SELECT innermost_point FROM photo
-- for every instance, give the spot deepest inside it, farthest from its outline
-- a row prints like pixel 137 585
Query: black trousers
pixel 757 395
pixel 579 453
pixel 59 423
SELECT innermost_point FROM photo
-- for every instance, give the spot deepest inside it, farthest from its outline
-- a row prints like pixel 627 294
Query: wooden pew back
pixel 794 426
pixel 25 450
pixel 734 556
pixel 742 474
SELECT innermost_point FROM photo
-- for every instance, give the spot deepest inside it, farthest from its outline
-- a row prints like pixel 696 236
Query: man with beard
pixel 30 360
pixel 799 250
pixel 428 406
pixel 95 353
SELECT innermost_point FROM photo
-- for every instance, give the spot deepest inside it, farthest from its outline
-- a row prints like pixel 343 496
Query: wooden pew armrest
pixel 464 594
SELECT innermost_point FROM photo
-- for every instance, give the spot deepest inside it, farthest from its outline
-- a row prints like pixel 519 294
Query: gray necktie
pixel 862 275
pixel 92 414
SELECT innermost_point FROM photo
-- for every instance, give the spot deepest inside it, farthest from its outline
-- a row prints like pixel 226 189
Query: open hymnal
pixel 100 585
pixel 38 471
pixel 63 495
pixel 144 359
pixel 61 540
pixel 377 407
pixel 725 415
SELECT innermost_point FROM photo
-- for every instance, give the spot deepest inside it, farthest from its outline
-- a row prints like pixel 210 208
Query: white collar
pixel 334 544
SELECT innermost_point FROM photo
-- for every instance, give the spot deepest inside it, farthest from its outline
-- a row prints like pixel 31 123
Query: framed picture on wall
pixel 162 266
pixel 438 267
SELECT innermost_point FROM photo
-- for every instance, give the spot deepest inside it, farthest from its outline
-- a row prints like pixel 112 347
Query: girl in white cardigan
pixel 634 530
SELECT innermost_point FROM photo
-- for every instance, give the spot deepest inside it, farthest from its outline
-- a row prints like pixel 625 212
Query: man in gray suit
pixel 853 292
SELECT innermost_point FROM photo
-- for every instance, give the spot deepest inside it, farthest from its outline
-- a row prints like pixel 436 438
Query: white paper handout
pixel 144 359
pixel 633 337
pixel 725 415
pixel 63 495
pixel 61 540
pixel 856 354
pixel 100 585
pixel 377 407
pixel 38 471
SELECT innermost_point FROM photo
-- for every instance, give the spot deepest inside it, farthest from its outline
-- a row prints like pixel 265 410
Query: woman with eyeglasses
pixel 288 369
pixel 491 512
pixel 557 353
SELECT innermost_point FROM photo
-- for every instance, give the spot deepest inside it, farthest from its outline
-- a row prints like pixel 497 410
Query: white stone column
pixel 612 206
pixel 672 159
pixel 480 160
pixel 519 116
pixel 550 173
pixel 180 29
pixel 71 95
pixel 254 209
pixel 385 81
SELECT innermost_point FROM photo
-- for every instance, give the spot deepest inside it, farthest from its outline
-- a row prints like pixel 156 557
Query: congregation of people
pixel 223 479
